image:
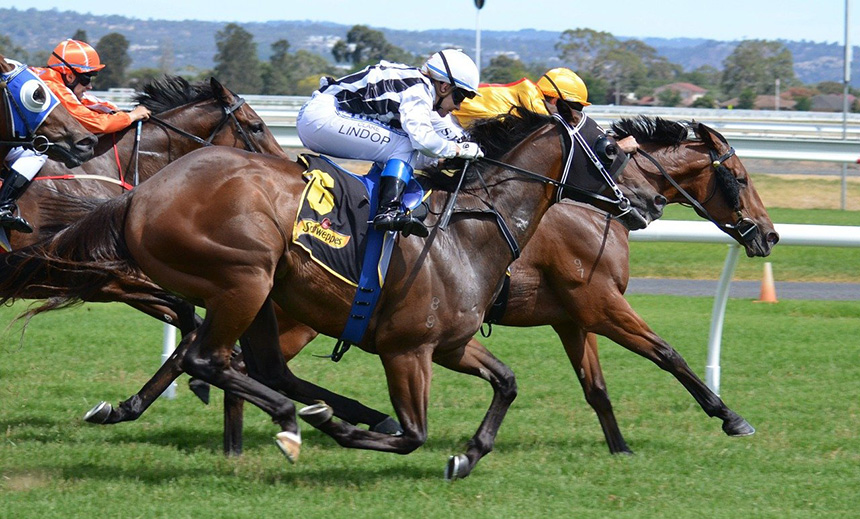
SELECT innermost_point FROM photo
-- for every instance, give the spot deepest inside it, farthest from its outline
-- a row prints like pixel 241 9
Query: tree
pixel 504 69
pixel 830 87
pixel 12 51
pixel 365 46
pixel 705 76
pixel 669 97
pixel 746 101
pixel 756 65
pixel 137 78
pixel 276 73
pixel 113 52
pixel 583 48
pixel 237 66
pixel 706 101
pixel 803 104
pixel 81 35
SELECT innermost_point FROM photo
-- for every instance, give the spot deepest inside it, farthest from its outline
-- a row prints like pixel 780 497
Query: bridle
pixel 745 227
pixel 229 114
pixel 38 143
pixel 561 185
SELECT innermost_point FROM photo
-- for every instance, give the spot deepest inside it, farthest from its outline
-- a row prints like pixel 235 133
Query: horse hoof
pixel 389 426
pixel 316 414
pixel 456 467
pixel 200 389
pixel 738 427
pixel 290 444
pixel 99 414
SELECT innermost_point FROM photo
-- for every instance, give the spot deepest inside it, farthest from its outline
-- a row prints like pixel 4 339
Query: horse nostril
pixel 660 201
pixel 772 238
pixel 87 143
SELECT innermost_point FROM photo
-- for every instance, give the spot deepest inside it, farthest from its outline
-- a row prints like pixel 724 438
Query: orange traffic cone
pixel 768 291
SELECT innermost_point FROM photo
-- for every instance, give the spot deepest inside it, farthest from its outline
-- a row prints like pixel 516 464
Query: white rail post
pixel 712 368
pixel 168 344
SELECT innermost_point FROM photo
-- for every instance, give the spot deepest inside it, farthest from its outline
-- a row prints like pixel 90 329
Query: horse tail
pixel 74 265
pixel 61 209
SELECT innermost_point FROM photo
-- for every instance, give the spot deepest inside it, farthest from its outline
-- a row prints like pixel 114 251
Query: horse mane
pixel 651 129
pixel 496 136
pixel 661 131
pixel 169 92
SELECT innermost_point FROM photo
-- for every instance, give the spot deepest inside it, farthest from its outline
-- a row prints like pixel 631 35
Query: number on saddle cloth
pixel 333 227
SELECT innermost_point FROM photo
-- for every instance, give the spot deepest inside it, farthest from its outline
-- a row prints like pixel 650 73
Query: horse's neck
pixel 686 167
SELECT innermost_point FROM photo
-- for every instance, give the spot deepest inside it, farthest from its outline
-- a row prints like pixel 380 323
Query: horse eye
pixel 742 181
pixel 258 127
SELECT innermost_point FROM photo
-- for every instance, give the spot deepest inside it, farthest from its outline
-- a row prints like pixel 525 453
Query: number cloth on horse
pixel 333 226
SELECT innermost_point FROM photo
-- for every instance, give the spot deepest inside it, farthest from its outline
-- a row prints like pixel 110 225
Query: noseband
pixel 745 227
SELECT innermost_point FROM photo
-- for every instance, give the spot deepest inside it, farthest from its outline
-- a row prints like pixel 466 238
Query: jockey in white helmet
pixel 382 113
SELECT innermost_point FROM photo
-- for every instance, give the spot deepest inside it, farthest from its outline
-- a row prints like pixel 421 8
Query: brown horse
pixel 231 253
pixel 60 135
pixel 188 117
pixel 577 285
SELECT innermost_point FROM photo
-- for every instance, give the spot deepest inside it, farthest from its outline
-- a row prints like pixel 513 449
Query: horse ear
pixel 220 91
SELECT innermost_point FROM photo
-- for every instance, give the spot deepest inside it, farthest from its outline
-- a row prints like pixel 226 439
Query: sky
pixel 814 20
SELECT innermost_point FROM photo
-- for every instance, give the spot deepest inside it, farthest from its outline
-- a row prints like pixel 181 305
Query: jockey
pixel 383 114
pixel 71 68
pixel 541 97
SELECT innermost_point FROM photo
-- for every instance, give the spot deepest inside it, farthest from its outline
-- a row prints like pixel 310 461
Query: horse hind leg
pixel 209 357
pixel 171 311
pixel 581 349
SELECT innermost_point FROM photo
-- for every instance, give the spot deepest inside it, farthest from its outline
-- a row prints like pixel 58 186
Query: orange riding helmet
pixel 78 54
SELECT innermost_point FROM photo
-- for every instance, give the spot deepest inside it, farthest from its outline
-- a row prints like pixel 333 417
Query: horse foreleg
pixel 624 326
pixel 476 360
pixel 581 349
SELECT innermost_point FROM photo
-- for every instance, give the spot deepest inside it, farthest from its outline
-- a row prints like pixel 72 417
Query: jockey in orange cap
pixel 71 68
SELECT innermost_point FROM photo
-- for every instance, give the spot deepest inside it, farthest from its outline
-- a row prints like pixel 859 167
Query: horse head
pixel 205 114
pixel 695 165
pixel 31 116
pixel 746 220
pixel 568 162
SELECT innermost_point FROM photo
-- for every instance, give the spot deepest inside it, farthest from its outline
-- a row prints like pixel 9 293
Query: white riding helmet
pixel 453 66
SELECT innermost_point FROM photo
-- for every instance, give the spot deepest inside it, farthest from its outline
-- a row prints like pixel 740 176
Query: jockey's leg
pixel 390 214
pixel 23 166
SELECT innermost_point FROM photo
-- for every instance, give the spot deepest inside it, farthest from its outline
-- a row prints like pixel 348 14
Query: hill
pixel 193 42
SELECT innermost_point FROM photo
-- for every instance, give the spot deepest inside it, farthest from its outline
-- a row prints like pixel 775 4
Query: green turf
pixel 789 263
pixel 791 369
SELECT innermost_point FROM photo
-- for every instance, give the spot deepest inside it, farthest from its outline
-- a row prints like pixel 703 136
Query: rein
pixel 744 226
pixel 229 114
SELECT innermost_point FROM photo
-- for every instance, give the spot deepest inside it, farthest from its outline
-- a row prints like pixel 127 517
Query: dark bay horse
pixel 230 252
pixel 187 117
pixel 60 135
pixel 574 272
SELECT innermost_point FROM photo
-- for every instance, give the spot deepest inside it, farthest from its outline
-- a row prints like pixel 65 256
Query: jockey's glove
pixel 469 151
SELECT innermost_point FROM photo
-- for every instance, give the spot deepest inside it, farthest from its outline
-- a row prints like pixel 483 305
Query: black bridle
pixel 229 115
pixel 567 159
pixel 745 227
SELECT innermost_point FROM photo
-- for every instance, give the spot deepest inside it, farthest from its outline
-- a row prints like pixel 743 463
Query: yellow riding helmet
pixel 565 82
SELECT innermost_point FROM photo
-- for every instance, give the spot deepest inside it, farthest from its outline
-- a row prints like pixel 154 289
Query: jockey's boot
pixel 390 215
pixel 13 186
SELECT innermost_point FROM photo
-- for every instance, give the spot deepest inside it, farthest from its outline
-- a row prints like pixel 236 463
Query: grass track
pixel 791 369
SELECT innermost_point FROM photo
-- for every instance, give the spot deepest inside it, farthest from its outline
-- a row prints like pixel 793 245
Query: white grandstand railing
pixel 755 134
pixel 706 232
